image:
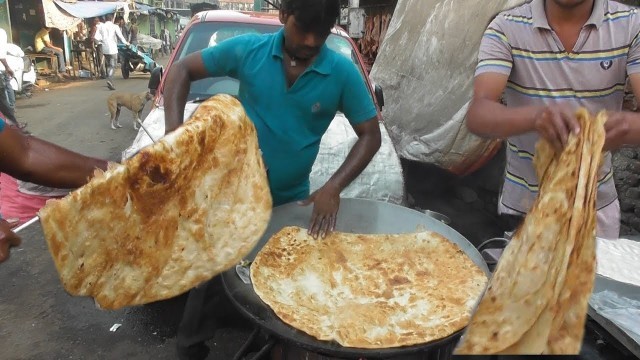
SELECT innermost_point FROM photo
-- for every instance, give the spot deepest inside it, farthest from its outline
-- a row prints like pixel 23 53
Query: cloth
pixel 110 63
pixel 290 120
pixel 608 221
pixel 199 320
pixel 41 39
pixel 59 55
pixel 521 44
pixel 108 35
pixel 14 204
pixel 133 34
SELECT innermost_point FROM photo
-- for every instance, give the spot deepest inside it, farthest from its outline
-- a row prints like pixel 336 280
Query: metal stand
pixel 242 353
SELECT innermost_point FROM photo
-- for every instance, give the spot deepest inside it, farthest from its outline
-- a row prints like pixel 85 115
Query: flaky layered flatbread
pixel 536 302
pixel 368 291
pixel 171 217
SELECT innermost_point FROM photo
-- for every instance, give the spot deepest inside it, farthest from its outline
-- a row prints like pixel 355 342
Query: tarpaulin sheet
pixel 57 18
pixel 144 9
pixel 426 66
pixel 89 9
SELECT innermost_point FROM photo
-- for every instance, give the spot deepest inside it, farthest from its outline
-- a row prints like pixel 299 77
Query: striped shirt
pixel 521 44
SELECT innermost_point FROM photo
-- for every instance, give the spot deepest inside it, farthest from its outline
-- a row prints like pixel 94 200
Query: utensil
pixel 355 216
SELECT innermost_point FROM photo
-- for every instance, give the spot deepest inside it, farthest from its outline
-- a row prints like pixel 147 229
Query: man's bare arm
pixel 34 160
pixel 176 88
pixel 367 145
pixel 326 200
pixel 487 117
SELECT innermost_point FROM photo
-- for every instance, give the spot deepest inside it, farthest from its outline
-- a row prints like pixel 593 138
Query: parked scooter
pixel 23 69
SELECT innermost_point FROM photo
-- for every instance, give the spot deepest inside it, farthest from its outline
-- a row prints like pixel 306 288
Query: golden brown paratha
pixel 536 301
pixel 171 217
pixel 368 291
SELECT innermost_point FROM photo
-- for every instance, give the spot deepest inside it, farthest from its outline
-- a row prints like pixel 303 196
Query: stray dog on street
pixel 133 102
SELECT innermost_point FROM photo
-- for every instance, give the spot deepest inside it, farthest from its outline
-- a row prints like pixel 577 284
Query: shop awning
pixel 89 9
pixel 58 18
pixel 144 9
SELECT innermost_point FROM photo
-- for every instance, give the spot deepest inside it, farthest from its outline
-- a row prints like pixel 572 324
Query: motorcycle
pixel 24 70
pixel 134 59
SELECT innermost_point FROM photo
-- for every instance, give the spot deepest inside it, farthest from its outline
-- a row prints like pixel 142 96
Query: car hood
pixel 381 180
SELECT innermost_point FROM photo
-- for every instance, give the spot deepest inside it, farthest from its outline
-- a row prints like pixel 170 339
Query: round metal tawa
pixel 356 216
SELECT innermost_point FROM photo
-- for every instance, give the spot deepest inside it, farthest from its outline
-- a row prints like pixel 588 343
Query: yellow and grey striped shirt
pixel 521 44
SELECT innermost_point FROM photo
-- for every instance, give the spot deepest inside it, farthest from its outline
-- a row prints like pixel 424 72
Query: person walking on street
pixel 133 32
pixel 108 35
pixel 7 95
pixel 43 45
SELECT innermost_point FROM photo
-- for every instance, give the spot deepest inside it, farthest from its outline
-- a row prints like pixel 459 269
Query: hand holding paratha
pixel 555 123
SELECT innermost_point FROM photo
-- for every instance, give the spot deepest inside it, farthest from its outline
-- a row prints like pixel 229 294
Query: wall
pixel 5 22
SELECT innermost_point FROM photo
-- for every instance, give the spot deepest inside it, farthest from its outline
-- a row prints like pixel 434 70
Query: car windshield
pixel 207 34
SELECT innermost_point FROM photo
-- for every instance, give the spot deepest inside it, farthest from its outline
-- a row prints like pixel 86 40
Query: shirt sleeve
pixel 225 58
pixel 356 102
pixel 494 55
pixel 633 59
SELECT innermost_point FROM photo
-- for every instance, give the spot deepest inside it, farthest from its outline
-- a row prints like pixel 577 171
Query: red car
pixel 382 180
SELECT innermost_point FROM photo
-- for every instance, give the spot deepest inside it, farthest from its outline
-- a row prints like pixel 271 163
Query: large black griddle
pixel 355 216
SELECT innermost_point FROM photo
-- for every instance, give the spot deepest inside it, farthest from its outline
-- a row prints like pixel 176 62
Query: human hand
pixel 9 72
pixel 555 123
pixel 8 239
pixel 326 202
pixel 616 128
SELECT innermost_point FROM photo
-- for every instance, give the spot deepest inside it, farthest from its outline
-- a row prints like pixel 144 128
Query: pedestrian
pixel 123 27
pixel 37 161
pixel 549 58
pixel 133 31
pixel 96 47
pixel 7 94
pixel 269 68
pixel 108 35
pixel 43 45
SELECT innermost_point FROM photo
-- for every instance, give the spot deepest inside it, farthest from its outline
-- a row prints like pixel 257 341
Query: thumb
pixel 306 202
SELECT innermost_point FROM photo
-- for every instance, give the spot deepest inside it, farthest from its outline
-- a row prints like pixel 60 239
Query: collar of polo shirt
pixel 539 16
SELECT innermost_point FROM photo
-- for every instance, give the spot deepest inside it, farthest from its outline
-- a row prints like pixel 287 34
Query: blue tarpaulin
pixel 89 9
pixel 144 9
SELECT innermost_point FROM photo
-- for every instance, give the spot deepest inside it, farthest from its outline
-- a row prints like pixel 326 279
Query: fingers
pixel 556 124
pixel 10 240
pixel 315 226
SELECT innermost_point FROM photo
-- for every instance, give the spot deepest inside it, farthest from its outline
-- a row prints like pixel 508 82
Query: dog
pixel 133 102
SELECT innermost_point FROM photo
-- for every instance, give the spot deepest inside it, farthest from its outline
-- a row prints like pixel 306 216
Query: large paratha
pixel 171 217
pixel 368 291
pixel 536 301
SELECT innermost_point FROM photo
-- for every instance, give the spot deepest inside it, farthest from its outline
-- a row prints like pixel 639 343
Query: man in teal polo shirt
pixel 291 86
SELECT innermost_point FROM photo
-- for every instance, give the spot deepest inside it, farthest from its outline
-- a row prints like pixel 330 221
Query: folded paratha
pixel 171 217
pixel 536 302
pixel 368 291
